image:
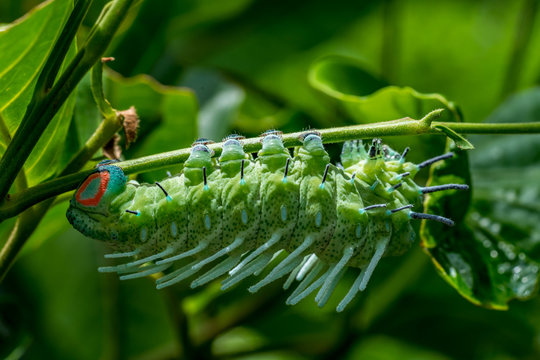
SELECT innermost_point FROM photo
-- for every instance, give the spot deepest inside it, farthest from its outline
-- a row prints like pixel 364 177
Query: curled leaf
pixel 460 141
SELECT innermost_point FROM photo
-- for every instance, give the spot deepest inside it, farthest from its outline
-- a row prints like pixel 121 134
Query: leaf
pixel 506 170
pixel 340 78
pixel 25 46
pixel 361 98
pixel 484 267
pixel 370 348
pixel 460 141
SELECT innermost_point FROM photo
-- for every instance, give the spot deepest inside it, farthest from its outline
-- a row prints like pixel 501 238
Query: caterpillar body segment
pixel 234 215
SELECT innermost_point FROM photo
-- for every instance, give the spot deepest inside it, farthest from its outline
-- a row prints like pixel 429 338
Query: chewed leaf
pixel 481 265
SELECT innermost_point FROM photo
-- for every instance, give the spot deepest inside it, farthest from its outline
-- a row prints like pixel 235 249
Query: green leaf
pixel 460 141
pixel 484 267
pixel 343 79
pixel 370 348
pixel 24 48
pixel 45 160
pixel 359 95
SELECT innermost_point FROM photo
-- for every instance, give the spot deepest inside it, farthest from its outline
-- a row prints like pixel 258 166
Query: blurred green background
pixel 208 68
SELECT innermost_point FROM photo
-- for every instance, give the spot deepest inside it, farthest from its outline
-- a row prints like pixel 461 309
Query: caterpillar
pixel 245 211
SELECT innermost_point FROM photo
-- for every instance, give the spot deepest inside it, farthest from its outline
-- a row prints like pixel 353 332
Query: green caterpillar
pixel 245 212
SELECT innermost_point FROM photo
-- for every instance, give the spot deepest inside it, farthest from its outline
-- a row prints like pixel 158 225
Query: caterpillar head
pixel 92 200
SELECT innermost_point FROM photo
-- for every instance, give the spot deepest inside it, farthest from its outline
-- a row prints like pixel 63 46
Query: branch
pixel 406 126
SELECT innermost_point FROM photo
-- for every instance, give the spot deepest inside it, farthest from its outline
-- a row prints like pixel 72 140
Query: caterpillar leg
pixel 176 276
pixel 355 288
pixel 274 275
pixel 235 244
pixel 316 284
pixel 380 247
pixel 312 260
pixel 323 296
pixel 267 245
pixel 122 255
pixel 261 269
pixel 294 273
pixel 363 278
pixel 197 249
pixel 216 271
pixel 333 278
pixel 145 271
pixel 130 266
pixel 260 262
pixel 293 257
pixel 310 276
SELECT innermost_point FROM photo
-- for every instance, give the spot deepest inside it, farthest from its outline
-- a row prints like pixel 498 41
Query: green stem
pixel 20 181
pixel 39 115
pixel 406 126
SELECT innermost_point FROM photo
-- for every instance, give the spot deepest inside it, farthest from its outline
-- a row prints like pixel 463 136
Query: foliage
pixel 207 68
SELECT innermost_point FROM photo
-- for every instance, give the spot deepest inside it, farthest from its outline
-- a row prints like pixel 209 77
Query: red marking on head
pixel 95 198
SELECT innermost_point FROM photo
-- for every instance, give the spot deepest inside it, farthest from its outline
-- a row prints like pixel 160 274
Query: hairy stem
pixel 406 126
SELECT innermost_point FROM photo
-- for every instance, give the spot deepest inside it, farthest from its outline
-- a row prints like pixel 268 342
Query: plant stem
pixel 41 113
pixel 406 126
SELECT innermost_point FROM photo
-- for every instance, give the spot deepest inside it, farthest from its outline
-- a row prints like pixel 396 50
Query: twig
pixel 406 126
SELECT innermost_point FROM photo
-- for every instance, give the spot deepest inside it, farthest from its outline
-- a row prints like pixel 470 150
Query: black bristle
pixel 162 189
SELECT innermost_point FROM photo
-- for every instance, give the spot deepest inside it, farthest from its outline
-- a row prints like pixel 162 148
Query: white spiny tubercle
pixel 348 252
pixel 145 271
pixel 200 247
pixel 271 242
pixel 235 244
pixel 308 241
pixel 311 275
pixel 216 271
pixel 294 273
pixel 312 259
pixel 122 255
